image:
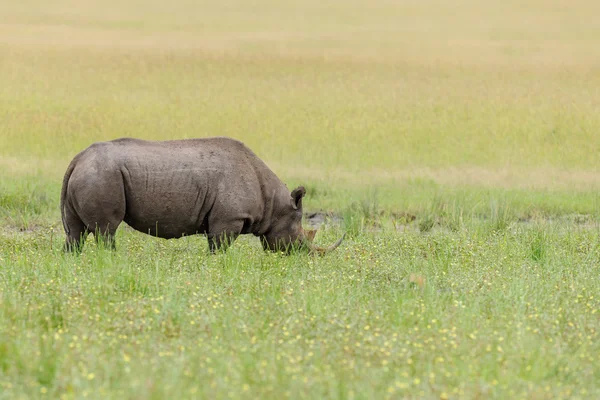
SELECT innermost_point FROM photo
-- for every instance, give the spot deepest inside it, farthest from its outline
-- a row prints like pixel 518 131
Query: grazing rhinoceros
pixel 214 186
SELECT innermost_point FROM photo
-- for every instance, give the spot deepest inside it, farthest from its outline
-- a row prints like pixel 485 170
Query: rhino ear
pixel 297 195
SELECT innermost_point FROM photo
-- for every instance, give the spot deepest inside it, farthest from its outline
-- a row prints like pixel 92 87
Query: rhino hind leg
pixel 106 237
pixel 104 217
pixel 221 236
pixel 105 229
pixel 76 233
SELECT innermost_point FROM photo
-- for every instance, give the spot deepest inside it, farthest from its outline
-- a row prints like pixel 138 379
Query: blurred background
pixel 406 99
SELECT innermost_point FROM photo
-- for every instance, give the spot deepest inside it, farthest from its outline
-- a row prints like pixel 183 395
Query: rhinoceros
pixel 212 186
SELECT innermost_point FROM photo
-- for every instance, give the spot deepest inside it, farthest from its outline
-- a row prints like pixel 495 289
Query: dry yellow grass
pixel 500 95
pixel 437 32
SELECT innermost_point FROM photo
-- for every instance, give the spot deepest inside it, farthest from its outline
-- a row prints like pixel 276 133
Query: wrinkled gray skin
pixel 214 186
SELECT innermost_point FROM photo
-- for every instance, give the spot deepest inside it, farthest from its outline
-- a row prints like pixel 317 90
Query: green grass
pixel 509 313
pixel 456 143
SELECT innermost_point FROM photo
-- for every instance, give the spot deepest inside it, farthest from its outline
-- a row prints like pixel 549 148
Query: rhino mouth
pixel 305 242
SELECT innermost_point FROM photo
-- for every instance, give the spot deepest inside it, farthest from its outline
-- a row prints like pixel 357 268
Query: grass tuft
pixel 538 245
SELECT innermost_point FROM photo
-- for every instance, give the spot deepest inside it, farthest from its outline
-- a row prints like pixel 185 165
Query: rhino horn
pixel 321 250
pixel 310 234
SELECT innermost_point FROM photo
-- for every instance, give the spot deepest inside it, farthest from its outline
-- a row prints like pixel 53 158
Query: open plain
pixel 457 143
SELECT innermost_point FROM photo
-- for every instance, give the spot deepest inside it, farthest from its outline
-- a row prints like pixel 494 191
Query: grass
pixel 511 313
pixel 456 144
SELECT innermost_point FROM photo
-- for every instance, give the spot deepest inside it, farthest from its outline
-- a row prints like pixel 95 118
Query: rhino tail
pixel 63 192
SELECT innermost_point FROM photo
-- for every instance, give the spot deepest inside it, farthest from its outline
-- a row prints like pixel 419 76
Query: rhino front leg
pixel 221 236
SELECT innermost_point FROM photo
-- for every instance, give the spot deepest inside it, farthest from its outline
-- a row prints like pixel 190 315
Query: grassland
pixel 480 121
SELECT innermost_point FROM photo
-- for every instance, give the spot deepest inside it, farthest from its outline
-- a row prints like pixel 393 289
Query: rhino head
pixel 286 231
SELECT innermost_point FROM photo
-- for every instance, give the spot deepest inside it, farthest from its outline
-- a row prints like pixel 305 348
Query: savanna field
pixel 456 143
